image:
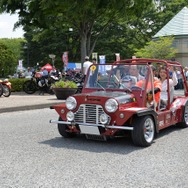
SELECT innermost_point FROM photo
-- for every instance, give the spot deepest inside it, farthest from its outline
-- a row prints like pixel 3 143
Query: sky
pixel 7 22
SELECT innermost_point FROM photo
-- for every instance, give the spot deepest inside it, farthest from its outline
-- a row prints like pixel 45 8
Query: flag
pixel 117 56
pixel 102 60
pixel 65 59
pixel 94 55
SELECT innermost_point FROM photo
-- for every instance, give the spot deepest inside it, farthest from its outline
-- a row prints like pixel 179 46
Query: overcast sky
pixel 7 22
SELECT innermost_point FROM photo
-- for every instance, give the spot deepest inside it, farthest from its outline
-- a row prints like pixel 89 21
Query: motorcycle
pixel 39 82
pixel 6 88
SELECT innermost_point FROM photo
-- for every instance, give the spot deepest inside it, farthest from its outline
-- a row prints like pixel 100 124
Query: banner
pixel 95 55
pixel 20 64
pixel 117 56
pixel 65 60
pixel 102 60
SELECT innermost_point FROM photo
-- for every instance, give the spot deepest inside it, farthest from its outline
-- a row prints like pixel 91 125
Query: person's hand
pixel 149 96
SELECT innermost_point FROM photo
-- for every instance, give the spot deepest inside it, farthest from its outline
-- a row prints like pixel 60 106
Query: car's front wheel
pixel 63 130
pixel 144 131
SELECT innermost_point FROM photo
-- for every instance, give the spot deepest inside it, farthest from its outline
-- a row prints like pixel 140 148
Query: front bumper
pixel 94 125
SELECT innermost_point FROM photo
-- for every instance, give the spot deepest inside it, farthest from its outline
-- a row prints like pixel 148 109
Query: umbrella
pixel 48 67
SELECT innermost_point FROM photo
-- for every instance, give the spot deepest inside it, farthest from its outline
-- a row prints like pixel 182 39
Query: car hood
pixel 121 97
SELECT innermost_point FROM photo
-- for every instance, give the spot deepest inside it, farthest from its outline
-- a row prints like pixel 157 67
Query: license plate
pixel 89 130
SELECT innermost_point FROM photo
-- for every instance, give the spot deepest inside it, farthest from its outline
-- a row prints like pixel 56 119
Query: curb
pixel 28 107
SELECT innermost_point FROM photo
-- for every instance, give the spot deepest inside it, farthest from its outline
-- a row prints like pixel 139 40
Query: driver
pixel 127 82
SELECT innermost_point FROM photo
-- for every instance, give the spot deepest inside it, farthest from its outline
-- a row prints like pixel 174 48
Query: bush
pixel 17 83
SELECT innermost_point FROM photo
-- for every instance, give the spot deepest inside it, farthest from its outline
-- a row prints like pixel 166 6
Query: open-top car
pixel 113 102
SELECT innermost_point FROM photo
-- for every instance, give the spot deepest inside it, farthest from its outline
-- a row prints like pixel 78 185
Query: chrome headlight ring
pixel 70 116
pixel 104 119
pixel 71 103
pixel 111 105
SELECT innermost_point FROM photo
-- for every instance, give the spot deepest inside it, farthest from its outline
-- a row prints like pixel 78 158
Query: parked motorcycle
pixel 6 85
pixel 38 82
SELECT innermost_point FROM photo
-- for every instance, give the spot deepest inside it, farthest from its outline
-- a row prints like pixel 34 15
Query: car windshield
pixel 117 76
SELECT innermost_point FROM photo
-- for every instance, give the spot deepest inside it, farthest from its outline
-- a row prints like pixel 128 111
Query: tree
pixel 15 45
pixel 159 49
pixel 83 16
pixel 7 60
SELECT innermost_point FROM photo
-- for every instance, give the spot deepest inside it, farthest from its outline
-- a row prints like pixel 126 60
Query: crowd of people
pixel 30 71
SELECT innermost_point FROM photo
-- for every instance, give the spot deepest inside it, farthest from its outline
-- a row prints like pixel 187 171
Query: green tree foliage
pixel 106 27
pixel 7 60
pixel 159 49
pixel 83 16
pixel 15 45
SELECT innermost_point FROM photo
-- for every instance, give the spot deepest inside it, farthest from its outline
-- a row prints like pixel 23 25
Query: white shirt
pixel 172 83
pixel 28 74
pixel 86 65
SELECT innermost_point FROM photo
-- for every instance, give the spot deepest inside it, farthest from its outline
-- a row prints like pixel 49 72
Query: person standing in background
pixel 86 65
pixel 28 73
pixel 179 77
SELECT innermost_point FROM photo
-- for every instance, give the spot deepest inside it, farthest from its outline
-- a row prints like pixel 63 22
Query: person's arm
pixel 174 79
pixel 157 87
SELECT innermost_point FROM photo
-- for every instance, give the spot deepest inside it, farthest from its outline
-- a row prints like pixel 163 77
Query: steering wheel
pixel 125 87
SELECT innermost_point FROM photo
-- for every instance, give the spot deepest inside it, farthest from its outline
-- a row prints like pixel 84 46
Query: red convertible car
pixel 113 103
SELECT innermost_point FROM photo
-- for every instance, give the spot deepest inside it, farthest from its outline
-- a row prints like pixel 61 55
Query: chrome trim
pixel 97 125
pixel 90 114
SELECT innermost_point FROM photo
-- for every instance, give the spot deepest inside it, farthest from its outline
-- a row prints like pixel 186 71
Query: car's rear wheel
pixel 144 131
pixel 184 122
pixel 62 128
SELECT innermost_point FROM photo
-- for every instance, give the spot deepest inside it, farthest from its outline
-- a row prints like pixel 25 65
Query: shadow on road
pixel 115 145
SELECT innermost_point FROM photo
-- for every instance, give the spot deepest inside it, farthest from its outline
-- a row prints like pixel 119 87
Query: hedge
pixel 17 83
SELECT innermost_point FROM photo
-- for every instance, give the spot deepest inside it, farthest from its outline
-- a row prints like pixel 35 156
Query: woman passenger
pixel 172 82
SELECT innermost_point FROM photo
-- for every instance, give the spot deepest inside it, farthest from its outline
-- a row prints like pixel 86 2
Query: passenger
pixel 172 82
pixel 134 71
pixel 157 89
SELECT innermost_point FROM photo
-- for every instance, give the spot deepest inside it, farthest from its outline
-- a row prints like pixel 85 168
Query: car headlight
pixel 111 105
pixel 70 116
pixel 103 118
pixel 71 103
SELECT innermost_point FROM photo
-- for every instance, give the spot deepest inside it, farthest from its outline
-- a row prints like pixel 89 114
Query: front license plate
pixel 89 130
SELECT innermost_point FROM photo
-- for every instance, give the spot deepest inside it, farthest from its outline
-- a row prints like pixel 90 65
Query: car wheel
pixel 62 128
pixel 144 131
pixel 184 122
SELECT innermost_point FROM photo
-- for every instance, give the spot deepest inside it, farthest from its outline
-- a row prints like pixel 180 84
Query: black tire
pixel 1 90
pixel 6 91
pixel 50 90
pixel 29 87
pixel 144 131
pixel 62 128
pixel 184 123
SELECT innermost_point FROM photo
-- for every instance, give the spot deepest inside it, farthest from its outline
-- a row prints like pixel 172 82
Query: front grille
pixel 89 113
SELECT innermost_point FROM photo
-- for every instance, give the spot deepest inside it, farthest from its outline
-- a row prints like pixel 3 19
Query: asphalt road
pixel 33 155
